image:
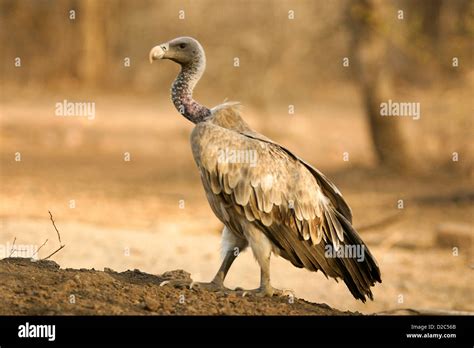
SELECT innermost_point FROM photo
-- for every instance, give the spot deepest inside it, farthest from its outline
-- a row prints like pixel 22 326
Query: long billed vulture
pixel 266 196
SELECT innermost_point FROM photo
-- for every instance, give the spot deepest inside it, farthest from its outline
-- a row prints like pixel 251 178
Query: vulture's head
pixel 182 50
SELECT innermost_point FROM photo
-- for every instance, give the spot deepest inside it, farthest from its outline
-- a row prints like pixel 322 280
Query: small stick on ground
pixel 42 245
pixel 12 249
pixel 47 257
pixel 52 220
pixel 59 238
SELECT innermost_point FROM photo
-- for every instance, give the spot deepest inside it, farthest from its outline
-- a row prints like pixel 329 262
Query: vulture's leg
pixel 263 253
pixel 262 249
pixel 231 247
pixel 217 283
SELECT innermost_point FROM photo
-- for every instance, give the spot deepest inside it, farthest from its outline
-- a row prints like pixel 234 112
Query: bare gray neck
pixel 182 91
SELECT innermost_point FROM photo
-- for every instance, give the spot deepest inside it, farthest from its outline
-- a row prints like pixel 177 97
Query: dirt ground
pixel 150 213
pixel 43 288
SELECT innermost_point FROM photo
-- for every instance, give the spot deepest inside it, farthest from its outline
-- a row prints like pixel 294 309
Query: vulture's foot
pixel 267 291
pixel 177 283
pixel 210 286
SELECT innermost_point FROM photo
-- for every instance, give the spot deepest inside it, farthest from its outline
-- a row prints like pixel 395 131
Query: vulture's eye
pixel 183 45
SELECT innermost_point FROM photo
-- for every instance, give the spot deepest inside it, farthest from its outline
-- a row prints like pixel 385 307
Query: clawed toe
pixel 265 292
pixel 209 286
pixel 177 283
pixel 192 285
pixel 284 293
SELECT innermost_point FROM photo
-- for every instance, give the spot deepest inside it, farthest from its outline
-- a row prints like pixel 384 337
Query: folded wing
pixel 250 179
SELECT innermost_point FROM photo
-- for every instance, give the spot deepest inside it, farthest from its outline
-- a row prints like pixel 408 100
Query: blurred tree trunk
pixel 430 13
pixel 375 78
pixel 426 33
pixel 66 67
pixel 93 61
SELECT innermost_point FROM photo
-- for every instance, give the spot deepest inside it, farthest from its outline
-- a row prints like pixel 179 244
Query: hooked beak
pixel 158 52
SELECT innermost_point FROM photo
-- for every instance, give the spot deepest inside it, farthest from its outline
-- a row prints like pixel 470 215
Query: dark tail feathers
pixel 358 275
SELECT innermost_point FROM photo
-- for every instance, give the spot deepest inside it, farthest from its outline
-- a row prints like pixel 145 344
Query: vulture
pixel 267 197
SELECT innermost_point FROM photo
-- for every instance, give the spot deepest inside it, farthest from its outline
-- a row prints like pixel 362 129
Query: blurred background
pixel 123 187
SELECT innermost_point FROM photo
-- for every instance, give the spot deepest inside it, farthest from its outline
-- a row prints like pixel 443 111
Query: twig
pixel 12 250
pixel 47 257
pixel 42 245
pixel 59 238
pixel 51 218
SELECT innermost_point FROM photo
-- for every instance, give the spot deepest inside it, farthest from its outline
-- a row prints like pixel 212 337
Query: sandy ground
pixel 129 215
pixel 43 288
